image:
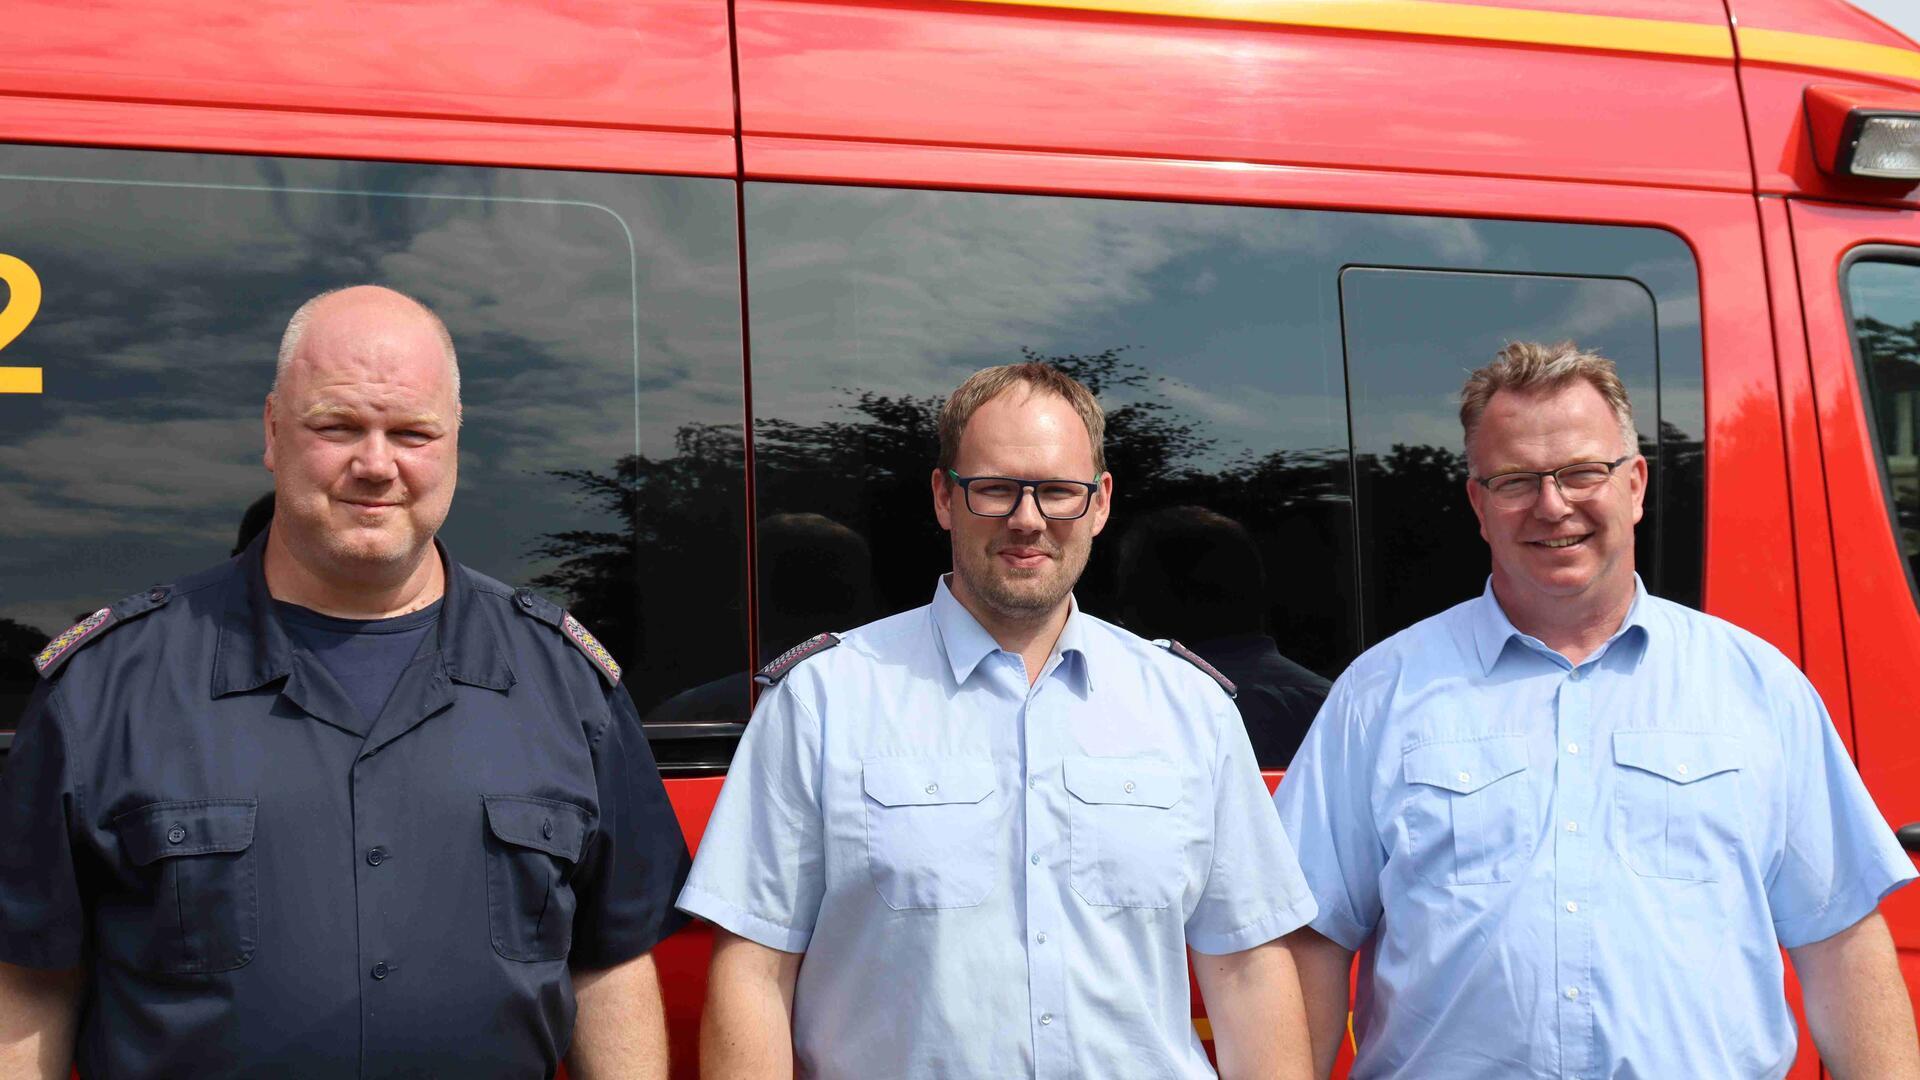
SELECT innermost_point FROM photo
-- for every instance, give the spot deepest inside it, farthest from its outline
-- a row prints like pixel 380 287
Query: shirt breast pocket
pixel 1676 801
pixel 533 848
pixel 932 831
pixel 1470 814
pixel 202 914
pixel 1126 836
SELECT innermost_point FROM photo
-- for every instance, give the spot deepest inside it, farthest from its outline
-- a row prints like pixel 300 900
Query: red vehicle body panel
pixel 1881 637
pixel 1037 98
pixel 968 76
pixel 1775 90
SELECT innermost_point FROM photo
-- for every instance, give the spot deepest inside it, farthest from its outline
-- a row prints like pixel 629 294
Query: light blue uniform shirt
pixel 1580 872
pixel 992 880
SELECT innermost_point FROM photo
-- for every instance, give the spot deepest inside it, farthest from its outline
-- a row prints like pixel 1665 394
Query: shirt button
pixel 157 595
pixel 1046 1018
pixel 176 834
pixel 1572 907
pixel 933 789
pixel 1041 937
pixel 376 856
pixel 1681 768
pixel 1034 859
pixel 380 970
pixel 1573 826
pixel 526 599
pixel 1573 748
pixel 546 828
pixel 1464 777
pixel 1032 782
pixel 1573 992
pixel 1127 787
pixel 1579 674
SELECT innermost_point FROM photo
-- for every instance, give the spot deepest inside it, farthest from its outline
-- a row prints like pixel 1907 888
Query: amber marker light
pixel 1870 133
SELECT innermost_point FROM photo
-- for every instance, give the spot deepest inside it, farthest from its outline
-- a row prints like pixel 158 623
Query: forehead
pixel 1577 408
pixel 384 345
pixel 1024 425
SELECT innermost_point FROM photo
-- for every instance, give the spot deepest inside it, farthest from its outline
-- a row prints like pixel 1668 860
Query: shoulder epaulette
pixel 555 616
pixel 785 662
pixel 1195 659
pixel 49 660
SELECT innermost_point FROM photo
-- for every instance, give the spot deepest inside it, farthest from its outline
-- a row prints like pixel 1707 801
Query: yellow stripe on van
pixel 1434 18
pixel 1479 22
pixel 20 380
pixel 1811 50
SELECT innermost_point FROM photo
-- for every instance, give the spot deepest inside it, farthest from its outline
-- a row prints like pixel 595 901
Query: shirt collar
pixel 254 649
pixel 1492 630
pixel 966 643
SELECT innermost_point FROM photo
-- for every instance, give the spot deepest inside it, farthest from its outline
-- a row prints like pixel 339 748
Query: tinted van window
pixel 1412 337
pixel 596 317
pixel 1884 302
pixel 1249 427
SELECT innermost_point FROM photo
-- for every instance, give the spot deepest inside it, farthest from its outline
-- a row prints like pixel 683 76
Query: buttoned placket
pixel 381 874
pixel 1576 840
pixel 1042 870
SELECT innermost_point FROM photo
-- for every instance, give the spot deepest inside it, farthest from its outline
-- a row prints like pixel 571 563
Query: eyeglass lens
pixel 1577 483
pixel 994 497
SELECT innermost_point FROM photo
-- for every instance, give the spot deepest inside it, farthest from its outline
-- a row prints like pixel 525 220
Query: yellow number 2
pixel 23 303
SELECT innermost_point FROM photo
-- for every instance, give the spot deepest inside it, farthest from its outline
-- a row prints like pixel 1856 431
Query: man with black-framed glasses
pixel 1570 824
pixel 994 826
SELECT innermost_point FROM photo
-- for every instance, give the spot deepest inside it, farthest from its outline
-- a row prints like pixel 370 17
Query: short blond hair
pixel 1038 378
pixel 1528 367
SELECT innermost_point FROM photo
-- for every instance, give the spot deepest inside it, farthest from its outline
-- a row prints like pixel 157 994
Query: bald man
pixel 340 806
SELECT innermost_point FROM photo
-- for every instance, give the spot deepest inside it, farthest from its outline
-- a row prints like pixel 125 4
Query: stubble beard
pixel 1019 596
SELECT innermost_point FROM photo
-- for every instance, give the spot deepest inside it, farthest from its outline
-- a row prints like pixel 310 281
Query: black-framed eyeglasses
pixel 999 496
pixel 1577 482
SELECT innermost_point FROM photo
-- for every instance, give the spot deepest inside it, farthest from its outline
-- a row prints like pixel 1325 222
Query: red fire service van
pixel 711 264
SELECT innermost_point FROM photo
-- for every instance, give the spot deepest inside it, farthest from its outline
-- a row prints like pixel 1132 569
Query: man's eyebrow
pixel 327 410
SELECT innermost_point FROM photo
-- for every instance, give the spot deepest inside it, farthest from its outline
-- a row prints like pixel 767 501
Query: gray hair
pixel 297 330
pixel 1526 367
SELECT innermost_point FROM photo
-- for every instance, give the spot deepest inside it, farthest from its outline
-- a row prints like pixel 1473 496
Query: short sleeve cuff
pixel 48 953
pixel 727 914
pixel 1843 910
pixel 1277 923
pixel 1340 929
pixel 612 951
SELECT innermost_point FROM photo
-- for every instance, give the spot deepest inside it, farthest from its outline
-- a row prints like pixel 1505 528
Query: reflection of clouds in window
pixel 91 475
pixel 885 290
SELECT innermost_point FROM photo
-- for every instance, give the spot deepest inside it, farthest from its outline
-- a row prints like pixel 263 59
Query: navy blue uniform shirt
pixel 262 883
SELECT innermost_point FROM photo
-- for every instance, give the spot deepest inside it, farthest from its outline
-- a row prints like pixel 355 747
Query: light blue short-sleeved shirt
pixel 992 880
pixel 1558 871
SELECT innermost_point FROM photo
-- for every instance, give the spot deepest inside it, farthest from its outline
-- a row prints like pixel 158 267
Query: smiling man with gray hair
pixel 1568 824
pixel 341 806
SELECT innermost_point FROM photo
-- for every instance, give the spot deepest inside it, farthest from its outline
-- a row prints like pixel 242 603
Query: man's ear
pixel 943 499
pixel 266 428
pixel 1102 503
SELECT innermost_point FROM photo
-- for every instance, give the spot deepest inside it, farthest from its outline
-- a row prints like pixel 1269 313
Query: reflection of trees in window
pixel 640 585
pixel 19 644
pixel 1892 354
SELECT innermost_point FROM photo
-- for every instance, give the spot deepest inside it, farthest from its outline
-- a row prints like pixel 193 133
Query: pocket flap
pixel 1127 781
pixel 193 827
pixel 1680 756
pixel 927 781
pixel 1466 765
pixel 557 828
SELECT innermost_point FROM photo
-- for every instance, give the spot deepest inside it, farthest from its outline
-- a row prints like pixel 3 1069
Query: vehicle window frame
pixel 1904 255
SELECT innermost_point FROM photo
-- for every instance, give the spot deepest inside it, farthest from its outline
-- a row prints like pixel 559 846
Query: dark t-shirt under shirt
pixel 365 656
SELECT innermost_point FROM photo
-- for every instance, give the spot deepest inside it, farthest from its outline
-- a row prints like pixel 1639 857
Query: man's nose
pixel 373 459
pixel 1026 516
pixel 1552 505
